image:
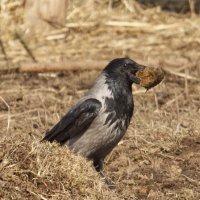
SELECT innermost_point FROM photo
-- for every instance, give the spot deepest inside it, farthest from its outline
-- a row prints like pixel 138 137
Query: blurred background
pixel 44 31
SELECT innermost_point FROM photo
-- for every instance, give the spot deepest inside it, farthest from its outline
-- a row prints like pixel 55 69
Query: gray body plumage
pixel 99 120
pixel 100 138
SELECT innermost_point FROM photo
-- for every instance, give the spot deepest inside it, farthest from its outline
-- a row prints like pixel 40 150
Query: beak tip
pixel 141 67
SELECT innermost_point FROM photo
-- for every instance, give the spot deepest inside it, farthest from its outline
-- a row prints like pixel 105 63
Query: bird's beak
pixel 139 68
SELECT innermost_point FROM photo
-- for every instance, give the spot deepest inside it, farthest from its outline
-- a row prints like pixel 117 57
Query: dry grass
pixel 159 156
pixel 31 170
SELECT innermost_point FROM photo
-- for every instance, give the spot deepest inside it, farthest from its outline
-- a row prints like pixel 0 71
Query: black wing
pixel 75 122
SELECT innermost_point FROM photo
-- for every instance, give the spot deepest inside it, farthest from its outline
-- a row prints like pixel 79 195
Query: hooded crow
pixel 99 120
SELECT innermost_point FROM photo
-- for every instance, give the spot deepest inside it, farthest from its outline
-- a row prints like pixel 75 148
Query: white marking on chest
pixel 100 89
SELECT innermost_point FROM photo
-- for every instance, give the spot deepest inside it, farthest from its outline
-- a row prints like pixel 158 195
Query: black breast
pixel 121 106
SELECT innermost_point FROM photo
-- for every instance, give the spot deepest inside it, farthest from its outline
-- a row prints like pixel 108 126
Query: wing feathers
pixel 75 122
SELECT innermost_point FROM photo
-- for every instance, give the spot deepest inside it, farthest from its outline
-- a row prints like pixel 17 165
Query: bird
pixel 99 120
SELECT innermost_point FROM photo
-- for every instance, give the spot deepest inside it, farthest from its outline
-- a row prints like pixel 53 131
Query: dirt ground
pixel 159 156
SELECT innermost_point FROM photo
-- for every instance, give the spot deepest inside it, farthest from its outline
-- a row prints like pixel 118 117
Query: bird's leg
pixel 98 164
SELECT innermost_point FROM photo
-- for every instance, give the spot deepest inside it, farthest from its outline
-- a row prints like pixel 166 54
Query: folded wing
pixel 75 122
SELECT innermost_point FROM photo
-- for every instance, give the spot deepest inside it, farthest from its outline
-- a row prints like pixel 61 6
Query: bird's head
pixel 124 69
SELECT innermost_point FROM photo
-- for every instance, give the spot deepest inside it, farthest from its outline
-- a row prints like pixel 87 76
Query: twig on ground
pixel 8 114
pixel 192 181
pixel 172 101
pixel 3 50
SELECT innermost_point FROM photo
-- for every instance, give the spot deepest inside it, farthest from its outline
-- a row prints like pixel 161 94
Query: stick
pixel 8 115
pixel 56 67
pixel 56 37
pixel 186 76
pixel 18 36
pixel 192 181
pixel 142 25
pixel 3 50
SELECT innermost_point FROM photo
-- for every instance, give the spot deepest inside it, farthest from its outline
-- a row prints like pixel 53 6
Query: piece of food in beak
pixel 150 77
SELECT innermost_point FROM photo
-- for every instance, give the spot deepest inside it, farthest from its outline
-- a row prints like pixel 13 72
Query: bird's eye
pixel 125 64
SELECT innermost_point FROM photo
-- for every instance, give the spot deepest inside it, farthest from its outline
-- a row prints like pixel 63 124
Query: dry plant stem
pixel 177 106
pixel 3 51
pixel 170 102
pixel 16 115
pixel 37 195
pixel 156 102
pixel 128 7
pixel 8 115
pixel 56 37
pixel 110 5
pixel 192 7
pixel 25 45
pixel 186 84
pixel 183 75
pixel 195 182
pixel 141 26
